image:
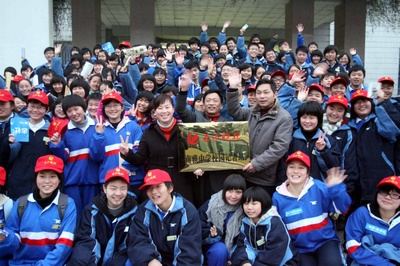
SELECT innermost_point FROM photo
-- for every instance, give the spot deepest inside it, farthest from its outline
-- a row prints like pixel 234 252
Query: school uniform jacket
pixel 79 168
pixel 363 222
pixel 104 148
pixel 265 243
pixel 172 240
pixel 40 237
pixel 100 238
pixel 306 217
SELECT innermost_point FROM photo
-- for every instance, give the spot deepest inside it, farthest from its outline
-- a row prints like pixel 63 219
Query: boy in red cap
pixel 375 228
pixel 23 155
pixel 304 203
pixel 41 224
pixel 166 227
pixel 101 235
pixel 6 113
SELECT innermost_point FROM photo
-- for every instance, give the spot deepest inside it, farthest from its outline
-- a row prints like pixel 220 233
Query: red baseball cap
pixel 6 96
pixel 339 80
pixel 318 87
pixel 49 162
pixel 386 80
pixel 390 180
pixel 124 44
pixel 204 82
pixel 112 96
pixel 155 177
pixel 39 96
pixel 3 176
pixel 117 172
pixel 251 88
pixel 300 156
pixel 278 73
pixel 338 99
pixel 18 78
pixel 358 95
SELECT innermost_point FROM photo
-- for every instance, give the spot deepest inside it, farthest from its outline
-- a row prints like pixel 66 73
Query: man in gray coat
pixel 270 129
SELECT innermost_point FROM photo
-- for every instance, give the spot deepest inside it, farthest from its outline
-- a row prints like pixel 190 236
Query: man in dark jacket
pixel 101 235
pixel 166 228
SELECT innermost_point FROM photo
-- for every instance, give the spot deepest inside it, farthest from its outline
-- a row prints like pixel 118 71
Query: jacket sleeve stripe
pixel 352 246
pixel 307 225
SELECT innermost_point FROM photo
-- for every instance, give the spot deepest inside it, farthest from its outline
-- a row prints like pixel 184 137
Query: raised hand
pixel 124 146
pixel 320 69
pixel 168 55
pixel 179 59
pixel 300 28
pixel 204 26
pixel 185 80
pixel 298 76
pixel 320 144
pixel 226 25
pixel 57 49
pixel 133 110
pixel 56 138
pixel 352 51
pixel 303 93
pixel 99 124
pixel 235 79
pixel 335 176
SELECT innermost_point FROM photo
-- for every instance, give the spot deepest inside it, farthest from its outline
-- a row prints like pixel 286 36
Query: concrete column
pixel 86 22
pixel 299 11
pixel 350 24
pixel 142 21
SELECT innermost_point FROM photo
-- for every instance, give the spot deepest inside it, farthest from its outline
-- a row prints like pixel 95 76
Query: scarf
pixel 217 212
pixel 330 128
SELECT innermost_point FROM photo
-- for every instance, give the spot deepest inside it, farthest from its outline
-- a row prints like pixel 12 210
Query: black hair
pixel 230 39
pixel 170 88
pixel 252 44
pixel 311 108
pixel 255 35
pixel 312 43
pixel 266 81
pixel 47 49
pixel 233 181
pixel 146 95
pixel 198 97
pixel 330 48
pixel 374 206
pixel 295 66
pixel 192 64
pixel 160 70
pixel 28 67
pixel 194 40
pixel 169 43
pixel 93 96
pixel 266 73
pixel 142 66
pixel 213 91
pixel 160 53
pixel 353 114
pixel 107 70
pixel 160 99
pixel 73 76
pixel 213 39
pixel 55 80
pixel 97 46
pixel 60 177
pixel 329 74
pixel 113 57
pixel 227 63
pixel 341 75
pixel 107 83
pixel 357 68
pixel 77 57
pixel 105 52
pixel 302 49
pixel 99 62
pixel 85 50
pixel 156 46
pixel 54 103
pixel 143 79
pixel 317 53
pixel 246 66
pixel 71 101
pixel 47 71
pixel 183 47
pixel 207 44
pixel 95 75
pixel 11 70
pixel 260 195
pixel 80 83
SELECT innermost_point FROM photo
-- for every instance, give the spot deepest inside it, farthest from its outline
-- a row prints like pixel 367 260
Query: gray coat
pixel 270 136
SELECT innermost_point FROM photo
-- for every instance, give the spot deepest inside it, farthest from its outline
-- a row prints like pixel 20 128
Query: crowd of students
pixel 98 182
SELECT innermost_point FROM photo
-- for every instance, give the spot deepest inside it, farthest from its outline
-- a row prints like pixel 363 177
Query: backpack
pixel 62 205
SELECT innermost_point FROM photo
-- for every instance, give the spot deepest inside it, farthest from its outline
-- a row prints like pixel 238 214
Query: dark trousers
pixel 329 254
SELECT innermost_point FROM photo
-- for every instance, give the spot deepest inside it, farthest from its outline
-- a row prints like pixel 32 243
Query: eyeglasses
pixel 110 106
pixel 394 196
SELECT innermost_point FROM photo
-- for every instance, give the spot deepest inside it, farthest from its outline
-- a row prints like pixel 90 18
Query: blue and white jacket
pixel 173 238
pixel 306 217
pixel 6 205
pixel 40 237
pixel 79 168
pixel 104 148
pixel 265 243
pixel 363 222
pixel 100 238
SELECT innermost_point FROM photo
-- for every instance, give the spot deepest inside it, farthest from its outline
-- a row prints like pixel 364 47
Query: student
pixel 372 231
pixel 6 205
pixel 41 224
pixel 221 217
pixel 94 83
pixel 263 238
pixel 6 113
pixel 311 140
pixel 92 103
pixel 304 204
pixel 101 235
pixel 141 113
pixel 80 87
pixel 23 155
pixel 81 174
pixel 104 145
pixel 356 77
pixel 166 229
pixel 58 86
